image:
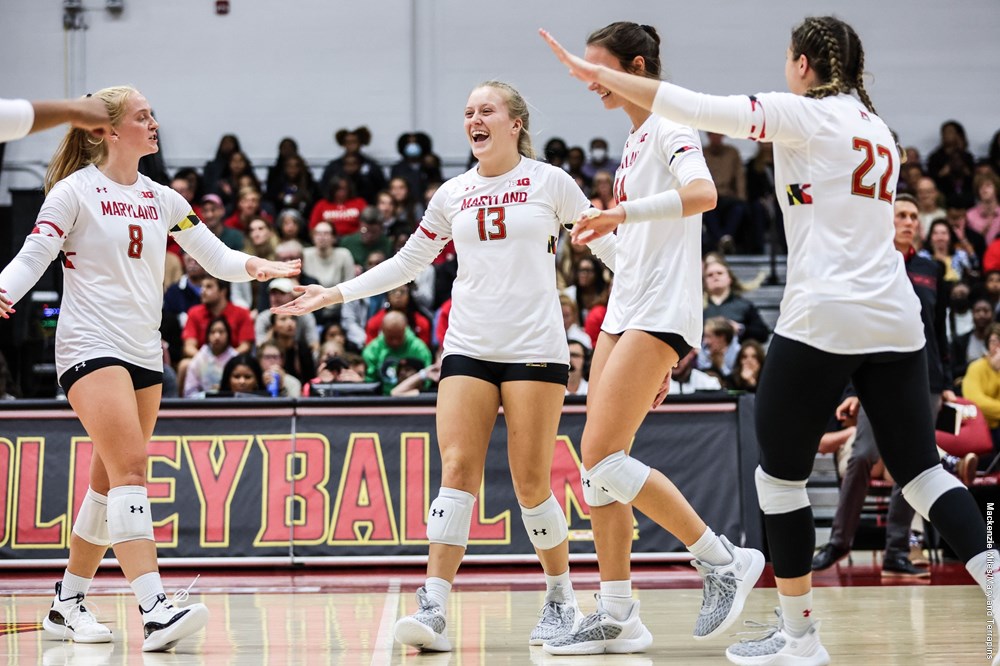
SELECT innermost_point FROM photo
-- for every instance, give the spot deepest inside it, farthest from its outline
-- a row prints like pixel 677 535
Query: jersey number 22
pixel 857 186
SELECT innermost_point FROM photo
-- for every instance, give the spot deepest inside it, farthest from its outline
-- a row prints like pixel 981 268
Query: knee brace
pixel 546 524
pixel 592 493
pixel 620 476
pixel 777 496
pixel 91 523
pixel 927 487
pixel 129 516
pixel 450 517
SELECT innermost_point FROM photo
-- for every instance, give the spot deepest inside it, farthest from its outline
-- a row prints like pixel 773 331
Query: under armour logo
pixel 102 189
pixel 79 366
pixel 807 612
pixel 136 508
pixel 586 482
pixel 437 513
pixel 537 532
pixel 604 489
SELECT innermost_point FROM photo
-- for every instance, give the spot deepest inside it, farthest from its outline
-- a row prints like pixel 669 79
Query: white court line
pixel 382 649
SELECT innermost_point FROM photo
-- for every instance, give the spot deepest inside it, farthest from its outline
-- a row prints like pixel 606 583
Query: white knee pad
pixel 620 476
pixel 129 516
pixel 91 523
pixel 777 496
pixel 450 517
pixel 546 524
pixel 927 487
pixel 592 493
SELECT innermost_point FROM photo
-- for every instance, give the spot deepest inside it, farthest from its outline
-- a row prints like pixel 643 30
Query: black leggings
pixel 800 388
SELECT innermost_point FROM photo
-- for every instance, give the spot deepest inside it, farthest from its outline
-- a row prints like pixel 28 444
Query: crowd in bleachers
pixel 221 337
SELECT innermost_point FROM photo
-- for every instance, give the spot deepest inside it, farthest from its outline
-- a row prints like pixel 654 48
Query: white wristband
pixel 663 206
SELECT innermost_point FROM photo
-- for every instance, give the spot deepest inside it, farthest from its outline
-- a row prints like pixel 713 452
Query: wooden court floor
pixel 346 617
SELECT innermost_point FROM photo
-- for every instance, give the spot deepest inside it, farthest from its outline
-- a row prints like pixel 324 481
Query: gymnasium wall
pixel 304 68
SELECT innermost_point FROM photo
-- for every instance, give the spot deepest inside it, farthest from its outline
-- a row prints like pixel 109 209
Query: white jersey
pixel 113 242
pixel 658 284
pixel 835 171
pixel 16 118
pixel 505 305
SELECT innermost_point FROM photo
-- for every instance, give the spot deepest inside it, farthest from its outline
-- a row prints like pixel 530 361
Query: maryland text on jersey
pixel 123 209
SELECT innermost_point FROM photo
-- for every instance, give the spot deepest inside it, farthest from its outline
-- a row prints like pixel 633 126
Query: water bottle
pixel 272 385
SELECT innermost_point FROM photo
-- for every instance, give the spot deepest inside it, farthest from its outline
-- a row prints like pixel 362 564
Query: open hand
pixel 578 67
pixel 594 223
pixel 311 297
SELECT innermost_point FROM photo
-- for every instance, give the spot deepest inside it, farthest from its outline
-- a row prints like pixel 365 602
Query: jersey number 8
pixel 135 241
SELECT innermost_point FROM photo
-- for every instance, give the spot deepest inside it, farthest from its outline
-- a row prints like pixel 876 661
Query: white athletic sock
pixel 710 549
pixel 73 585
pixel 437 592
pixel 978 566
pixel 558 588
pixel 146 588
pixel 616 598
pixel 797 613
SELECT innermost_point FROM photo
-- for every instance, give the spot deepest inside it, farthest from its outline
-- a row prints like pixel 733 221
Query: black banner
pixel 320 479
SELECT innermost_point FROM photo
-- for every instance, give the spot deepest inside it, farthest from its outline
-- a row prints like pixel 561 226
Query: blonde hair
pixel 517 108
pixel 79 148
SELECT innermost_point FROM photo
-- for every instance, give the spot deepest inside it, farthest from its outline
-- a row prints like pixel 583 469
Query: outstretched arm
pixel 89 113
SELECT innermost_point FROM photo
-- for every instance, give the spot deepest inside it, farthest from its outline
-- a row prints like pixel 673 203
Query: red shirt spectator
pixel 340 207
pixel 215 302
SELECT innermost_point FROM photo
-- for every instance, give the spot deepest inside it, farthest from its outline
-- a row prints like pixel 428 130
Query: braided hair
pixel 834 51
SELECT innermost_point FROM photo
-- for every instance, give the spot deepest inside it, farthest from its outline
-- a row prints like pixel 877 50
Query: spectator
pixel 981 383
pixel 214 168
pixel 969 240
pixel 294 188
pixel 749 363
pixel 369 176
pixel 589 288
pixel 600 159
pixel 994 153
pixel 354 315
pixel 910 174
pixel 929 204
pixel 941 245
pixel 555 152
pixel 571 320
pixel 685 378
pixel 761 199
pixel 229 184
pixel 423 291
pixel 329 264
pixel 290 225
pixel 724 298
pixel 298 356
pixel 959 311
pixel 212 214
pixel 409 211
pixel 287 148
pixel 214 303
pixel 719 349
pixel 8 388
pixel 579 367
pixel 603 194
pixel 593 321
pixel 723 222
pixel 951 163
pixel 261 241
pixel 248 209
pixel 575 159
pixel 280 291
pixel 985 217
pixel 242 375
pixel 204 373
pixel 400 299
pixel 396 341
pixel 414 379
pixel 970 346
pixel 991 290
pixel 177 300
pixel 340 206
pixel 277 382
pixel 369 238
pixel 335 369
pixel 414 147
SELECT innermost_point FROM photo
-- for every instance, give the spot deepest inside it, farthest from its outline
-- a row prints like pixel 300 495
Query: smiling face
pixel 136 133
pixel 599 55
pixel 491 131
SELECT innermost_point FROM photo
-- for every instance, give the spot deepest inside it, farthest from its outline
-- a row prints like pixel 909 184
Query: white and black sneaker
pixel 164 625
pixel 426 628
pixel 69 619
pixel 554 620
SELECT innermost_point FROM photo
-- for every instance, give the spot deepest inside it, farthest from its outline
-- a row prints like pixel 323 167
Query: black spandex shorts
pixel 141 377
pixel 675 341
pixel 498 373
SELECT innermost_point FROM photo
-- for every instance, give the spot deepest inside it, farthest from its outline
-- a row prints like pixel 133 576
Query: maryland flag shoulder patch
pixel 188 222
pixel 798 194
pixel 680 151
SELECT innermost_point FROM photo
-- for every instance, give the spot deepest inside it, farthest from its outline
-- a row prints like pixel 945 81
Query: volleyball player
pixel 654 318
pixel 506 344
pixel 110 224
pixel 19 117
pixel 848 312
